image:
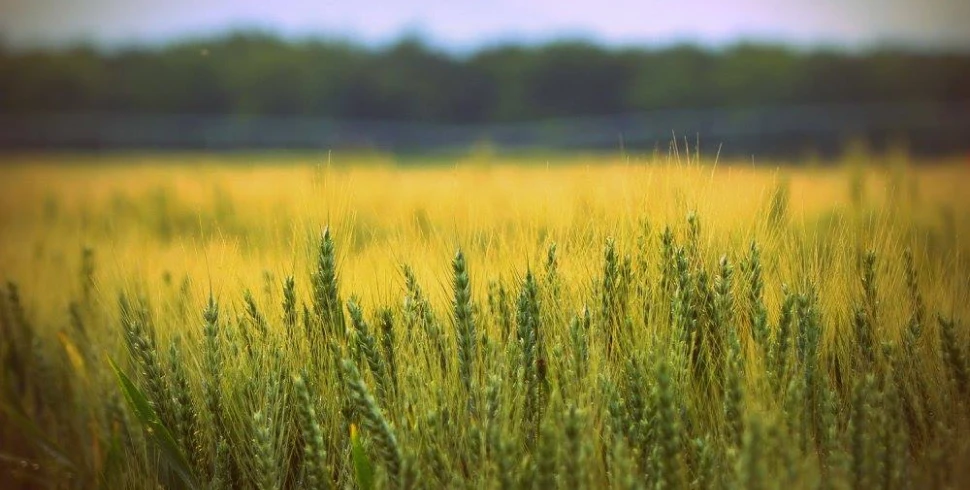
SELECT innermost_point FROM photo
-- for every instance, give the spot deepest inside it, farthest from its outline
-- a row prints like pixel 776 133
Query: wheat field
pixel 584 321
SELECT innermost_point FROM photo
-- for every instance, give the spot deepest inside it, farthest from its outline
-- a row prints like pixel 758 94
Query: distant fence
pixel 925 128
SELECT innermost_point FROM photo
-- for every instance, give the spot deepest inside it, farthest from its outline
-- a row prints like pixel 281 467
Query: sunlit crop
pixel 570 322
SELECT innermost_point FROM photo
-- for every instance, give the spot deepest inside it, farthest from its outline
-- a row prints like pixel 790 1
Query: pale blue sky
pixel 463 24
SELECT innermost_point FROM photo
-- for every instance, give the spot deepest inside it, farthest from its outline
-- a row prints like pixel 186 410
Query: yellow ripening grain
pixel 820 345
pixel 232 222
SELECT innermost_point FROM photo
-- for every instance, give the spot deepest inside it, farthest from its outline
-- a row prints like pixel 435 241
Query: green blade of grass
pixel 362 466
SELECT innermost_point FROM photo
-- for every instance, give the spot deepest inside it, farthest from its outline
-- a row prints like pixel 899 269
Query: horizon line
pixel 435 43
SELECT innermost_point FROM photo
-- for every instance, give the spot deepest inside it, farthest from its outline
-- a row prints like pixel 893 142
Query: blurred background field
pixel 247 218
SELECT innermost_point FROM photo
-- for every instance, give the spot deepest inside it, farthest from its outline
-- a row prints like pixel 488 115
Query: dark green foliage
pixel 501 83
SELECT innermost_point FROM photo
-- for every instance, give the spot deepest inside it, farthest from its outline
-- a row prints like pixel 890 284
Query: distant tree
pixel 257 74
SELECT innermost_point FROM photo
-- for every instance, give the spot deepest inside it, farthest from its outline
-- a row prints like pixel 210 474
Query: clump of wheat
pixel 376 424
pixel 464 322
pixel 327 305
pixel 635 355
pixel 315 472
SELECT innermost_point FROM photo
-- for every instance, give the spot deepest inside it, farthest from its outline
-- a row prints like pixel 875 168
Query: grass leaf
pixel 362 465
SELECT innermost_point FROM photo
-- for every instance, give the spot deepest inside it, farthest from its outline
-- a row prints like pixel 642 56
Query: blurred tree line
pixel 251 74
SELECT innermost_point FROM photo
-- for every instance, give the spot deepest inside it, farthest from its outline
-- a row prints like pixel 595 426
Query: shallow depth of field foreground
pixel 587 322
